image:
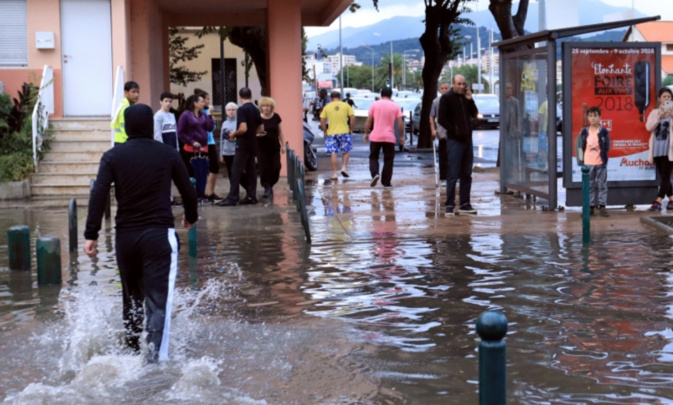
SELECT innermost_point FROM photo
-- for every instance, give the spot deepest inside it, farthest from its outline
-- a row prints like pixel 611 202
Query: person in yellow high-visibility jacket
pixel 131 95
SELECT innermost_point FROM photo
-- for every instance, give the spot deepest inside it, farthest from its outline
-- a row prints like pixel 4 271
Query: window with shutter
pixel 13 33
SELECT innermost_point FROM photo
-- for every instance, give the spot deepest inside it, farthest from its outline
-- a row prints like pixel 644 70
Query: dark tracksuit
pixel 455 114
pixel 146 245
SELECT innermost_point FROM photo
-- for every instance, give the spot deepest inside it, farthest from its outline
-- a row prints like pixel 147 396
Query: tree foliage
pixel 179 52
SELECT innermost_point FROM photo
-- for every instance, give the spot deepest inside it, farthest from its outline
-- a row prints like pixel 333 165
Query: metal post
pixel 411 130
pixel 290 171
pixel 18 242
pixel 48 261
pixel 586 209
pixel 492 328
pixel 191 233
pixel 72 225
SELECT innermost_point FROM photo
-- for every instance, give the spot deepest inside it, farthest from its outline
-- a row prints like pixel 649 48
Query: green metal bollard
pixel 492 328
pixel 18 242
pixel 586 208
pixel 291 174
pixel 72 225
pixel 191 234
pixel 48 261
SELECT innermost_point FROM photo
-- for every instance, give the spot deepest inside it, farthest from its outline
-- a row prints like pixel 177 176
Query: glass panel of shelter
pixel 524 124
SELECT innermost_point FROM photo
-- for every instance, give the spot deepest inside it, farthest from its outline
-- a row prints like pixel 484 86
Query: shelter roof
pixel 654 31
pixel 547 35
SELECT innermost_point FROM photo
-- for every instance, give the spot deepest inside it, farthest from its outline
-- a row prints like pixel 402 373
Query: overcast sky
pixel 367 15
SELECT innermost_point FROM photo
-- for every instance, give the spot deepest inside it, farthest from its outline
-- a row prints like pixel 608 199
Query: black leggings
pixel 269 167
pixel 664 167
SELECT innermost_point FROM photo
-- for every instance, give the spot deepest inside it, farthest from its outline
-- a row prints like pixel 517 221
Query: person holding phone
pixel 456 112
pixel 661 148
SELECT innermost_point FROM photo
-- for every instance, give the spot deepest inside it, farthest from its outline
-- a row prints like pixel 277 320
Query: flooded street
pixel 379 309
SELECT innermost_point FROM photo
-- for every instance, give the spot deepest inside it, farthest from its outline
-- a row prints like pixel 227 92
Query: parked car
pixel 310 158
pixel 489 110
pixel 361 108
pixel 407 105
pixel 416 118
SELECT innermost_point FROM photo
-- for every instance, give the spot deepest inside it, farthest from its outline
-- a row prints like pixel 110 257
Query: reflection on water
pixel 361 317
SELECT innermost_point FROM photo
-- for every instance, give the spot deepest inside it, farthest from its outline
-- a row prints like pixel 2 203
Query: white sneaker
pixel 375 181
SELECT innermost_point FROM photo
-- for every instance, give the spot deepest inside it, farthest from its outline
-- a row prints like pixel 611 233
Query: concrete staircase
pixel 71 163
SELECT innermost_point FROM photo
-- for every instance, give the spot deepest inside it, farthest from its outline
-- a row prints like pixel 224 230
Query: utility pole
pixel 341 60
pixel 392 67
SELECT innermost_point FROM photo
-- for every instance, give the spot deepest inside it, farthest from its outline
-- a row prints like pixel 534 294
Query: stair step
pixel 77 146
pixel 88 157
pixel 92 135
pixel 69 190
pixel 50 179
pixel 67 167
pixel 81 124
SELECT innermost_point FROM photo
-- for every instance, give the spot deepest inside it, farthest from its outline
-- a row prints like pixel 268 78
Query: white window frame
pixel 13 33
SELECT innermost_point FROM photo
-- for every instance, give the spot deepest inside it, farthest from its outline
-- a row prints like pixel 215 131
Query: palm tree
pixel 383 72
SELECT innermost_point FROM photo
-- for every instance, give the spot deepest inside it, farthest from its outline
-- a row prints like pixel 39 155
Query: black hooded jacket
pixel 455 115
pixel 142 170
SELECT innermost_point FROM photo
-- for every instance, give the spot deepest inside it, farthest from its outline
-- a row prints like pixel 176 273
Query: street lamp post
pixel 371 49
pixel 404 66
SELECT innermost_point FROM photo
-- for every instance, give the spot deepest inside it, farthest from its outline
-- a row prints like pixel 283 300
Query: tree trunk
pixel 253 41
pixel 437 47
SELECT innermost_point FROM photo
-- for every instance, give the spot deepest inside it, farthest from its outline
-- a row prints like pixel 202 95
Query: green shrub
pixel 16 141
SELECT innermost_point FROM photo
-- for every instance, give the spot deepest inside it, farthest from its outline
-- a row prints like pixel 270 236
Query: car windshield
pixel 490 103
pixel 408 104
pixel 363 103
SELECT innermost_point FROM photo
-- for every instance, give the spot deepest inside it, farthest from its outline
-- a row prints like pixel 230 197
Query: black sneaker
pixel 214 197
pixel 449 211
pixel 226 203
pixel 268 192
pixel 467 210
pixel 375 181
pixel 247 201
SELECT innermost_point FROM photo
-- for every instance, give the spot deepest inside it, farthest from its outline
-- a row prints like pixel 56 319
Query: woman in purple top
pixel 193 127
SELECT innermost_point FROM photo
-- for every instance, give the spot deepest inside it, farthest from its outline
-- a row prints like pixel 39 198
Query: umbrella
pixel 200 165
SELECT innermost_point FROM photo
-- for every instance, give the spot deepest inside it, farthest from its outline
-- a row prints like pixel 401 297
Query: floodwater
pixel 369 317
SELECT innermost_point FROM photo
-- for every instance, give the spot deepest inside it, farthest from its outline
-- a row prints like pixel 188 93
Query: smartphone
pixel 668 105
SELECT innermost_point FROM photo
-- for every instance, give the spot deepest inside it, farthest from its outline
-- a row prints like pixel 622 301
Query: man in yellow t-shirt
pixel 338 136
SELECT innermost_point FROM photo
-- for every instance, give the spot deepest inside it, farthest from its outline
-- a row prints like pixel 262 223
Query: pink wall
pixel 284 68
pixel 42 15
pixel 147 51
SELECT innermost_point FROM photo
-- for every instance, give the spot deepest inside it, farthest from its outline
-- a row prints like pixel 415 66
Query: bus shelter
pixel 531 112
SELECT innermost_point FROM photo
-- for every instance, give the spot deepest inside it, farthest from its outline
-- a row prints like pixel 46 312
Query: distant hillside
pixel 364 55
pixel 400 28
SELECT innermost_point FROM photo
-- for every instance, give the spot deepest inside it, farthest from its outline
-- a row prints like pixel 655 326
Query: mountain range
pixel 404 27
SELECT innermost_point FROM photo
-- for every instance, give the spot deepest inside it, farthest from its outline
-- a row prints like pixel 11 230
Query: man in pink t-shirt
pixel 383 114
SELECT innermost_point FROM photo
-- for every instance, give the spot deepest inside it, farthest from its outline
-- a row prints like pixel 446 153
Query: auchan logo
pixel 634 163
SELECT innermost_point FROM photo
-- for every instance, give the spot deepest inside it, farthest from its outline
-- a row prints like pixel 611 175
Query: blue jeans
pixel 461 159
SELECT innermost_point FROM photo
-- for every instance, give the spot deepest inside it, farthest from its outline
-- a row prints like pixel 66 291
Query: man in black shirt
pixel 249 123
pixel 456 111
pixel 146 244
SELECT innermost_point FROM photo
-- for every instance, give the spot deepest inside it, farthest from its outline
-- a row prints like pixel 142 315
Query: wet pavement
pixel 379 309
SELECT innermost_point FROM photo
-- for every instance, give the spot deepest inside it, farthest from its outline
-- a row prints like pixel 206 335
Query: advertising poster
pixel 621 81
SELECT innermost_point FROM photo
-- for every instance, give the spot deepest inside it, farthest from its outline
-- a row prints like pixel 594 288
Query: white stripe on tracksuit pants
pixel 147 260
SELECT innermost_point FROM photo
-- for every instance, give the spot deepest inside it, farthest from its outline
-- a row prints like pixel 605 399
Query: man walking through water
pixel 338 135
pixel 456 111
pixel 384 114
pixel 146 244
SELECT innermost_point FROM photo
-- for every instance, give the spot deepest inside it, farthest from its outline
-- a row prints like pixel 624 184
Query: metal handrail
pixel 44 105
pixel 116 100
